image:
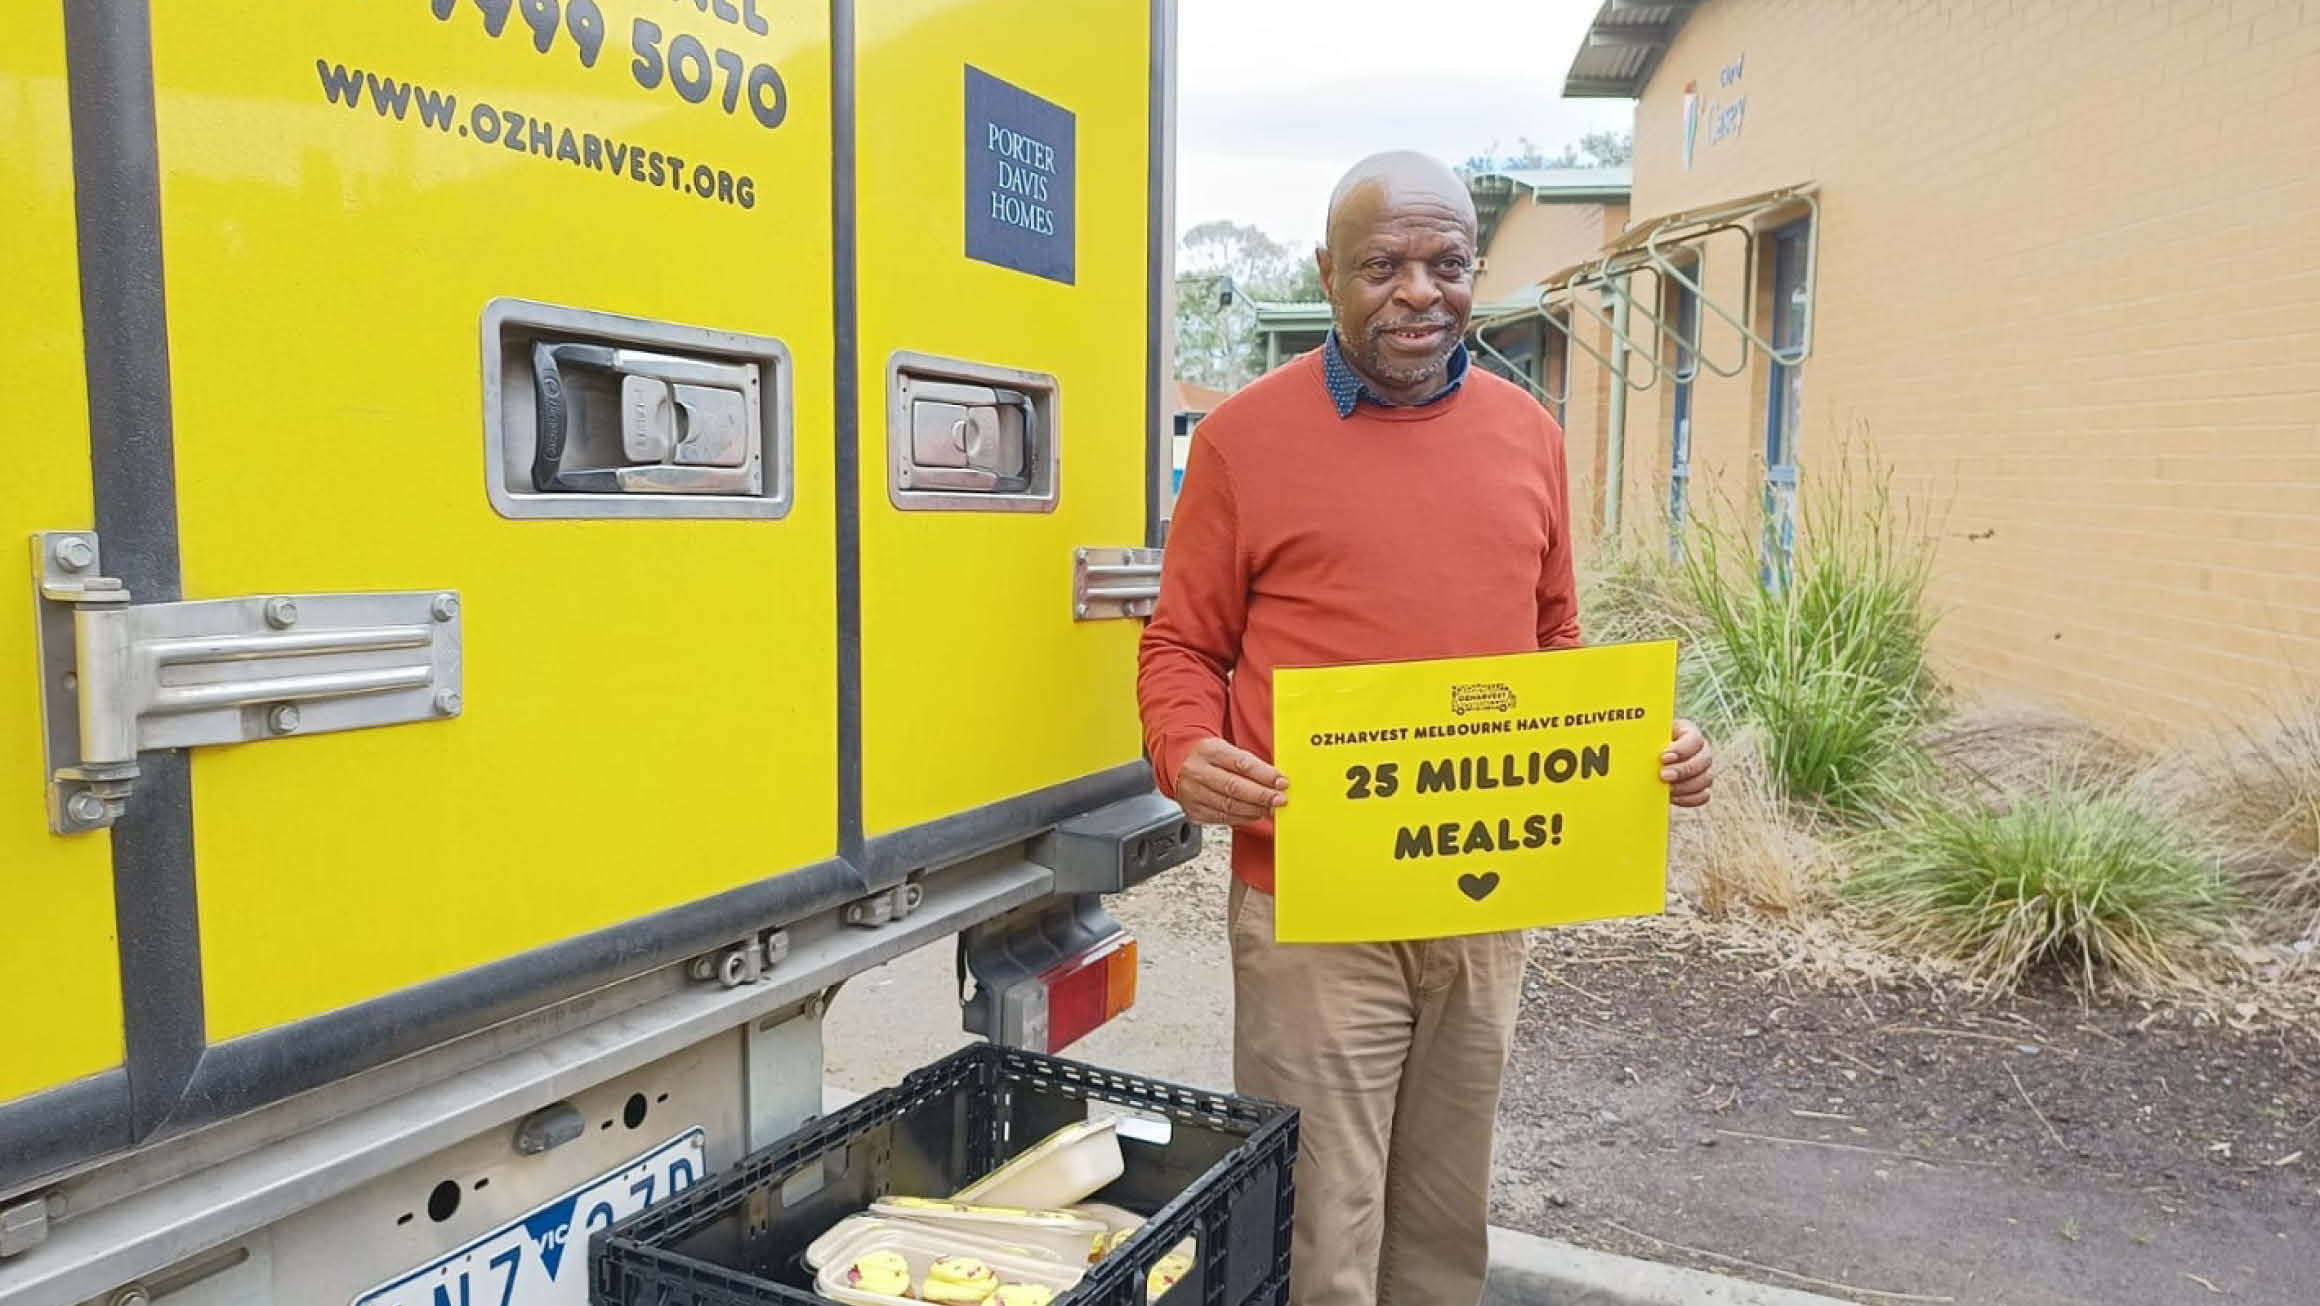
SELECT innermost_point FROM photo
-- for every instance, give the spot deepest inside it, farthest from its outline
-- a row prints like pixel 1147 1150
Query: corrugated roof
pixel 1623 47
pixel 1278 315
pixel 1579 185
pixel 1495 192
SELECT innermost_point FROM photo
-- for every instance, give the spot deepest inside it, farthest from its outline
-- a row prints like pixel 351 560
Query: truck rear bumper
pixel 100 1241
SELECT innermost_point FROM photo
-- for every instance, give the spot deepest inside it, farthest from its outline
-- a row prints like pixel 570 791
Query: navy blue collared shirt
pixel 1347 390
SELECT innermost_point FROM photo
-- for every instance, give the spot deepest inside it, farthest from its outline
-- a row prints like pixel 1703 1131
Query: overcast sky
pixel 1277 97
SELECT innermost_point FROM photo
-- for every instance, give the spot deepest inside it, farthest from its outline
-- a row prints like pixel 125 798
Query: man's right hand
pixel 1219 784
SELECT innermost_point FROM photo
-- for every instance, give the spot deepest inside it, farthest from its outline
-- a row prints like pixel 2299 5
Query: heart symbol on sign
pixel 1478 887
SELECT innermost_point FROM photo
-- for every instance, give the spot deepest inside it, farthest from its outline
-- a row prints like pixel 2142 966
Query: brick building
pixel 2057 265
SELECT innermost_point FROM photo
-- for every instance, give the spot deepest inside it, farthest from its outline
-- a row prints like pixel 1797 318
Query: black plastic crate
pixel 1223 1178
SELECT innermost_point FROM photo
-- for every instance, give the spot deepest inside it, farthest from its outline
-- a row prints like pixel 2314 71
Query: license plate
pixel 542 1258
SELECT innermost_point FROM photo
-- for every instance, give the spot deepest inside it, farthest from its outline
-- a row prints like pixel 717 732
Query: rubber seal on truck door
pixel 1159 238
pixel 847 428
pixel 44 1132
pixel 890 858
pixel 132 448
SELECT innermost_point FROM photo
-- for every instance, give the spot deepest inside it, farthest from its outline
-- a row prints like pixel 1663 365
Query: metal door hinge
pixel 1114 583
pixel 119 677
pixel 23 1225
pixel 885 906
pixel 744 962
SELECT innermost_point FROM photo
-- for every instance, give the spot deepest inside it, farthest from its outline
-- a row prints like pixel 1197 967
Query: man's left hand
pixel 1688 766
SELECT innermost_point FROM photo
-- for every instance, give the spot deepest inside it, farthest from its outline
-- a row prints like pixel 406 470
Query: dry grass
pixel 2259 795
pixel 2005 747
pixel 1750 850
pixel 1634 593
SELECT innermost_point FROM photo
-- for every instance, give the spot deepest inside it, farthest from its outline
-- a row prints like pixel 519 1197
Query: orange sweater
pixel 1306 539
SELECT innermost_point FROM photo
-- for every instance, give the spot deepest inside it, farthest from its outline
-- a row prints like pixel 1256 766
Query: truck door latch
pixel 629 421
pixel 1112 583
pixel 119 677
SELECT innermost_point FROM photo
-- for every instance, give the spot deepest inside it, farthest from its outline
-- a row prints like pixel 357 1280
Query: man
pixel 1375 500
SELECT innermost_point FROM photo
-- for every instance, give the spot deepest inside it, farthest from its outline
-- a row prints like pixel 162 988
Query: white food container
pixel 839 1245
pixel 1067 1167
pixel 1060 1235
pixel 921 1248
pixel 1112 1218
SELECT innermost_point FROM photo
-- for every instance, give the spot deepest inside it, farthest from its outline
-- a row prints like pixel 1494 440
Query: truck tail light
pixel 1048 975
pixel 1088 990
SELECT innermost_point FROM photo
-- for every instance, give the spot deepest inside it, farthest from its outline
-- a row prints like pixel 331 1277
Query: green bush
pixel 1830 667
pixel 2095 878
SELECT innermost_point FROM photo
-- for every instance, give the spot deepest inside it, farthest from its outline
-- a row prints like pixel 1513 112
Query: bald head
pixel 1405 176
pixel 1399 271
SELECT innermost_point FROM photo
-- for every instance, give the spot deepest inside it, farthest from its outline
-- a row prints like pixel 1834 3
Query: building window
pixel 1684 312
pixel 1784 403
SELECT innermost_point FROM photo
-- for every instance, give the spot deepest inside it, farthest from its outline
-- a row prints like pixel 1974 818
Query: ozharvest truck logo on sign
pixel 1491 697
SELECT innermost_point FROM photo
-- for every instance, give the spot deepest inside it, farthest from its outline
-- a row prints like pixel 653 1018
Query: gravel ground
pixel 1678 1092
pixel 1672 1095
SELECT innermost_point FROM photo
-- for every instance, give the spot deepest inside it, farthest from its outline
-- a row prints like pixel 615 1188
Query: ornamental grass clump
pixel 2094 880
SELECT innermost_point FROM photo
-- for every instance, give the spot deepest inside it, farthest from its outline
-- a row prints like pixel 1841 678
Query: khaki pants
pixel 1392 1054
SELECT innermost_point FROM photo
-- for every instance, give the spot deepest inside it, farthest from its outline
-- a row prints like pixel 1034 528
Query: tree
pixel 1608 149
pixel 1222 268
pixel 1603 149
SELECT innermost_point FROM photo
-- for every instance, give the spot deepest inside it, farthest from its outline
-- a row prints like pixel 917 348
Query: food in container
pixel 959 1281
pixel 881 1272
pixel 1171 1270
pixel 1123 1225
pixel 1059 1235
pixel 921 1249
pixel 1022 1294
pixel 845 1237
pixel 1068 1166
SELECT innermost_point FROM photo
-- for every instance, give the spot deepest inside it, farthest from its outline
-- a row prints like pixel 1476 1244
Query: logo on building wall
pixel 1691 121
pixel 1727 112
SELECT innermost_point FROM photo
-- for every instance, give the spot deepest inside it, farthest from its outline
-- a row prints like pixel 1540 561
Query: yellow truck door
pixel 1007 216
pixel 370 215
pixel 479 525
pixel 61 1049
pixel 375 218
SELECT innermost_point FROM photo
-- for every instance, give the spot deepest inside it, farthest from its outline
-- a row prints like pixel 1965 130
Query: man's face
pixel 1399 269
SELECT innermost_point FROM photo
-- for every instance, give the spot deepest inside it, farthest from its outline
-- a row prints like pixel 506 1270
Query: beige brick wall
pixel 2069 291
pixel 1534 239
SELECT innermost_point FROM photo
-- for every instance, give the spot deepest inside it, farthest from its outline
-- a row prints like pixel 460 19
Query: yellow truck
pixel 558 532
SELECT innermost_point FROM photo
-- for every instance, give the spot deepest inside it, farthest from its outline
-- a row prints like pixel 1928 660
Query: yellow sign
pixel 1471 795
